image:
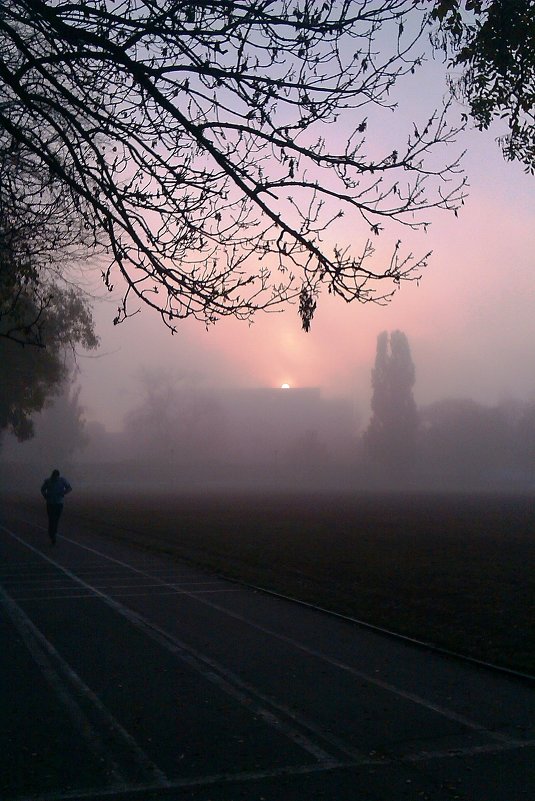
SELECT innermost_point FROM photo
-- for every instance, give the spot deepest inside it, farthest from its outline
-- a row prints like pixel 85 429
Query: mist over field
pixel 205 409
pixel 183 437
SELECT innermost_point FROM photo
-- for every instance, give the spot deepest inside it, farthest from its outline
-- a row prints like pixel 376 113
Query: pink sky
pixel 470 323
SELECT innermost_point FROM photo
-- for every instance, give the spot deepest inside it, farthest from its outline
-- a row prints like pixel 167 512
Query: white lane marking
pixel 103 585
pixel 302 721
pixel 412 697
pixel 408 696
pixel 472 750
pixel 60 677
pixel 49 581
pixel 208 668
pixel 164 591
pixel 354 755
pixel 200 781
pixel 251 776
pixel 26 569
pixel 423 756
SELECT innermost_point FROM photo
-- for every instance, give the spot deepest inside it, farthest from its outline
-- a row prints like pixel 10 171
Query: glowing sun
pixel 285 386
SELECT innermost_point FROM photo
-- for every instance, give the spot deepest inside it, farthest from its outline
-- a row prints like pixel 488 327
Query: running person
pixel 53 491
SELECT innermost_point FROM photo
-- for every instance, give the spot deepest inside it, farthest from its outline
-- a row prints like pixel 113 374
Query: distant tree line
pixel 455 442
pixel 178 425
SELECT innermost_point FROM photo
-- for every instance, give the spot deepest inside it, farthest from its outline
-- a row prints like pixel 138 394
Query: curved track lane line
pixel 408 696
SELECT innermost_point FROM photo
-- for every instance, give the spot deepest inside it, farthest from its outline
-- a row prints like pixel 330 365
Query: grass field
pixel 454 570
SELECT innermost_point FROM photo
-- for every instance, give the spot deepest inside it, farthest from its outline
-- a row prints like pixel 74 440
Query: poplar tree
pixel 391 435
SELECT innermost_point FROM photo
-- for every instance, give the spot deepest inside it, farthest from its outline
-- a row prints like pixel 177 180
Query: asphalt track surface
pixel 126 675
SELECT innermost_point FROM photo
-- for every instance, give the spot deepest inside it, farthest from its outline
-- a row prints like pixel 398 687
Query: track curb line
pixel 428 646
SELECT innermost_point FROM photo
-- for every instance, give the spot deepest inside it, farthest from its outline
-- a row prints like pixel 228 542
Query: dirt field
pixel 454 570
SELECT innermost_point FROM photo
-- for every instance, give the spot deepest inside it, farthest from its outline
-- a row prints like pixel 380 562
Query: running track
pixel 126 675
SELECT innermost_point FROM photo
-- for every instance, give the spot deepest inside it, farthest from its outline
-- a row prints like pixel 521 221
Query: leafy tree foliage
pixel 29 375
pixel 59 429
pixel 203 143
pixel 391 434
pixel 494 42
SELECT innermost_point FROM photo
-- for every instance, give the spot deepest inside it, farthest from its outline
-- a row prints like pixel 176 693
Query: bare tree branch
pixel 201 143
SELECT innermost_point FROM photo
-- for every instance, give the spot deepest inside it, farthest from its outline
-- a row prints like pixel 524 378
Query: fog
pixel 204 409
pixel 184 436
pixel 470 320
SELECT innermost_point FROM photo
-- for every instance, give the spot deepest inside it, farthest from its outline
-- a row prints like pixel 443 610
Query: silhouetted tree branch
pixel 204 142
pixel 41 236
